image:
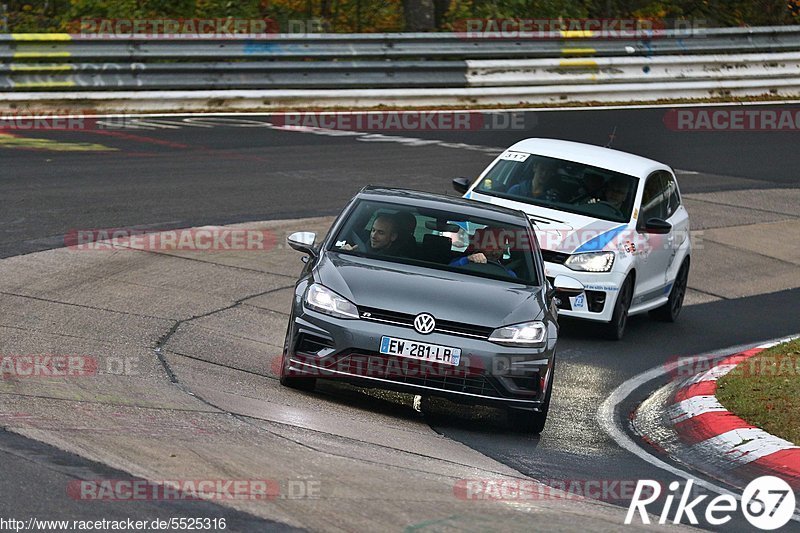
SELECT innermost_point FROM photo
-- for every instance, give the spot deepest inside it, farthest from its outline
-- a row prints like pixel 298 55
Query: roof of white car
pixel 590 155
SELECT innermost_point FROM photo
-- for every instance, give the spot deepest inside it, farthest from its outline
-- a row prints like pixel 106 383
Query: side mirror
pixel 567 286
pixel 303 241
pixel 461 185
pixel 657 226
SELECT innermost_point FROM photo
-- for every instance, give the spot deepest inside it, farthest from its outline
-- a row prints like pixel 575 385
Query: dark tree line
pixel 389 15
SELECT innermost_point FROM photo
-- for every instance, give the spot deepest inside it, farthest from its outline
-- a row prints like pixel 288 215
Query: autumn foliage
pixel 388 15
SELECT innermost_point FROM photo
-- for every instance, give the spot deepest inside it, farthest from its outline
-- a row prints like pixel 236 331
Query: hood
pixel 576 235
pixel 446 295
pixel 563 232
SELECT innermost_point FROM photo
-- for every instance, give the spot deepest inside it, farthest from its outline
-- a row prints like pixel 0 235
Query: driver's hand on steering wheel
pixel 348 247
pixel 476 258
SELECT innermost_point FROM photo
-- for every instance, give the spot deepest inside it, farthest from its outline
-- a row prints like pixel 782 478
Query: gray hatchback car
pixel 430 295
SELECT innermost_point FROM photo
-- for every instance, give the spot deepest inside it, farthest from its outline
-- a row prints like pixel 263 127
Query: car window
pixel 441 240
pixel 654 199
pixel 671 193
pixel 563 185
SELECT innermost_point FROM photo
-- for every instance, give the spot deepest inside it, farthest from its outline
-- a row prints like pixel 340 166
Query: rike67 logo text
pixel 767 503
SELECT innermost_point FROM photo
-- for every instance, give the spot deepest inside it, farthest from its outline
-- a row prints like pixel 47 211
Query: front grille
pixel 383 315
pixel 407 320
pixel 554 257
pixel 412 372
pixel 445 326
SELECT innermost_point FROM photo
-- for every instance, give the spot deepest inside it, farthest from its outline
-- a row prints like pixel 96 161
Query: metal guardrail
pixel 230 75
pixel 658 69
pixel 396 45
pixel 65 63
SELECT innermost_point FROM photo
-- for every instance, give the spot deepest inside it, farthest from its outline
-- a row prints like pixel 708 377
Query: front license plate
pixel 420 350
pixel 579 302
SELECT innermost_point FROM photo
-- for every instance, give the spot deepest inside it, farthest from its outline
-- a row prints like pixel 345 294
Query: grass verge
pixel 765 390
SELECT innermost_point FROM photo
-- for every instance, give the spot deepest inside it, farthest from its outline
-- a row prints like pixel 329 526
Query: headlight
pixel 591 262
pixel 326 301
pixel 526 334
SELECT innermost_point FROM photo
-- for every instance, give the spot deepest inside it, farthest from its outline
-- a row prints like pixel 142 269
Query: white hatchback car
pixel 612 220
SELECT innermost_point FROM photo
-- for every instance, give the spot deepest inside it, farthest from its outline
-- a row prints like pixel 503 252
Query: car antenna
pixel 611 137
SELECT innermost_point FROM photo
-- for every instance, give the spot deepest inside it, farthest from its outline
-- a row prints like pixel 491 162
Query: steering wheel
pixel 362 246
pixel 487 268
pixel 611 207
pixel 582 198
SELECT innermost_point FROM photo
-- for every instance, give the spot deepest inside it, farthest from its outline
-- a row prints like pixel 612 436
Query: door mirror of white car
pixel 303 241
pixel 657 226
pixel 567 286
pixel 461 185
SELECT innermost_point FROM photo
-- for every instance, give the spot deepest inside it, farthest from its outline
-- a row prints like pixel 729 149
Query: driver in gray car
pixel 388 236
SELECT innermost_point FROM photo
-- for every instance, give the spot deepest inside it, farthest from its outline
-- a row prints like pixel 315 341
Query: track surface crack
pixel 161 343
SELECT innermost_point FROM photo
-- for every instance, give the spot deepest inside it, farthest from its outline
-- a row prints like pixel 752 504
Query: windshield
pixel 562 185
pixel 441 240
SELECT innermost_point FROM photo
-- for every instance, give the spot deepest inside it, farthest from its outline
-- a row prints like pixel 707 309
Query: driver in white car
pixel 489 248
pixel 617 193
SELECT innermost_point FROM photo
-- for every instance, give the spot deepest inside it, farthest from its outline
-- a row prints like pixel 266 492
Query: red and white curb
pixel 701 422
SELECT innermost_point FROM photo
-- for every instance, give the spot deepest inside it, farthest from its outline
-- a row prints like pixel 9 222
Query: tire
pixel 526 421
pixel 307 384
pixel 615 329
pixel 532 422
pixel 294 382
pixel 669 311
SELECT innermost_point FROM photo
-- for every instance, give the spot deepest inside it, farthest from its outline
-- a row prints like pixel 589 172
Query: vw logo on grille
pixel 424 323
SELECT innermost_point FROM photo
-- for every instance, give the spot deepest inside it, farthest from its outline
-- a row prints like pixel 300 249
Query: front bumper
pixel 490 374
pixel 597 301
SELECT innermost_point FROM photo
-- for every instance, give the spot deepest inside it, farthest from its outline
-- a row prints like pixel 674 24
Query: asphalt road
pixel 33 480
pixel 174 172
